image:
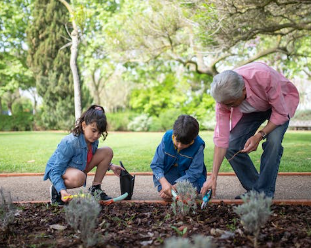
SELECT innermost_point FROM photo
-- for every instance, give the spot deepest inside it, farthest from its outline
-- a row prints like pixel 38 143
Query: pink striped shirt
pixel 265 89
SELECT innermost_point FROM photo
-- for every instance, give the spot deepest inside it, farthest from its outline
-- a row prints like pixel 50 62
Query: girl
pixel 77 154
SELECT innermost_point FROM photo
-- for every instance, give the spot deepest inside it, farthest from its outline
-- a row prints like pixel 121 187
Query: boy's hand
pixel 166 188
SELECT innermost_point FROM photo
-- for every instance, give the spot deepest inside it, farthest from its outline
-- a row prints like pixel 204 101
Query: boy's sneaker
pixel 97 192
pixel 56 198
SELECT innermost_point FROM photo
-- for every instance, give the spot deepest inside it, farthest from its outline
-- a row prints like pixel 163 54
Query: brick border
pixel 150 174
pixel 304 202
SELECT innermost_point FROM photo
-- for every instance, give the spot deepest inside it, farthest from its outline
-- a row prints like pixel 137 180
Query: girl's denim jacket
pixel 70 152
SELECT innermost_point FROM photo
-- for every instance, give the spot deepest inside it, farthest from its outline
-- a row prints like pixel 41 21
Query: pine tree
pixel 50 65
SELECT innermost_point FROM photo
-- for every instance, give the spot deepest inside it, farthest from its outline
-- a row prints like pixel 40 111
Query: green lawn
pixel 29 151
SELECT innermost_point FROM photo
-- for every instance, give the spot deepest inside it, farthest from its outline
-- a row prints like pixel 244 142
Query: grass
pixel 29 151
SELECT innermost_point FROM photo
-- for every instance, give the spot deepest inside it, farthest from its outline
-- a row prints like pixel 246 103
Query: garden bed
pixel 149 225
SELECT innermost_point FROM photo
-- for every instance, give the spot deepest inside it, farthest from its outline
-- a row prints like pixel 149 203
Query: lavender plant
pixel 199 241
pixel 81 214
pixel 7 211
pixel 186 199
pixel 254 213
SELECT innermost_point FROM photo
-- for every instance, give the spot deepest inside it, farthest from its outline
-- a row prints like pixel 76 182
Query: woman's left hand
pixel 116 169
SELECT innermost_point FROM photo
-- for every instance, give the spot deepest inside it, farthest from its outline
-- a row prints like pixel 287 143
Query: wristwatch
pixel 263 134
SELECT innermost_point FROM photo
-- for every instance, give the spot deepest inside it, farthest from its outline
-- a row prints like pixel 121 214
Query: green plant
pixel 81 214
pixel 7 211
pixel 232 226
pixel 254 212
pixel 186 199
pixel 199 241
pixel 180 232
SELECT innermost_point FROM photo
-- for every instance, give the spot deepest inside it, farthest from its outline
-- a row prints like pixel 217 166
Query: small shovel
pixel 107 202
pixel 110 201
pixel 206 198
pixel 177 197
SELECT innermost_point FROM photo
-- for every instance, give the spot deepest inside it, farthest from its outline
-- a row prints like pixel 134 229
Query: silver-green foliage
pixel 254 212
pixel 186 199
pixel 199 241
pixel 7 210
pixel 81 214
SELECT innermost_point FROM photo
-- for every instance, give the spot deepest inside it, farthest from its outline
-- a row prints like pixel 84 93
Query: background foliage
pixel 144 61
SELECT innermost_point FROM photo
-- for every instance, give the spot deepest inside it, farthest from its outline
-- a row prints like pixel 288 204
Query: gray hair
pixel 226 86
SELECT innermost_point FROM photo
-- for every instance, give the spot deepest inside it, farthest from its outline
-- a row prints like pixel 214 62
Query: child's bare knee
pixel 107 152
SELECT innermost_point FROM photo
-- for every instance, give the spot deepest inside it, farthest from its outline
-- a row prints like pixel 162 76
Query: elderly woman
pixel 246 98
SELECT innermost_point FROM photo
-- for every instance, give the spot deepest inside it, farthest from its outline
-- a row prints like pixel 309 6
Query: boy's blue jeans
pixel 270 158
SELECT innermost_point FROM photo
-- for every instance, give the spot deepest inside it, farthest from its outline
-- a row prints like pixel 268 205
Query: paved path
pixel 33 188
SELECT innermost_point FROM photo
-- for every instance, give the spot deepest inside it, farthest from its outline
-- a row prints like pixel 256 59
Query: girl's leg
pixel 73 178
pixel 101 159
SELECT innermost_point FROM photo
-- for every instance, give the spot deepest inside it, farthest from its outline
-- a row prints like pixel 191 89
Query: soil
pixel 148 225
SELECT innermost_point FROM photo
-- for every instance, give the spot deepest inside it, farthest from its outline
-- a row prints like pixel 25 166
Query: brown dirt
pixel 148 225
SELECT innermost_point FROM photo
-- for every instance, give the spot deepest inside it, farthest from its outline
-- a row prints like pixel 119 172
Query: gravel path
pixel 33 188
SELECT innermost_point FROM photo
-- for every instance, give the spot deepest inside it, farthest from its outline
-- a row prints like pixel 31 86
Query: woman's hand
pixel 116 169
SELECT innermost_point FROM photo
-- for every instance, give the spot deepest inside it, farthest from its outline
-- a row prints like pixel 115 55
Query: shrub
pixel 140 123
pixel 17 122
pixel 186 199
pixel 81 214
pixel 119 121
pixel 254 212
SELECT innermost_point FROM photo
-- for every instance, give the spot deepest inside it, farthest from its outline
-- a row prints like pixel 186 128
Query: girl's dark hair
pixel 185 129
pixel 95 113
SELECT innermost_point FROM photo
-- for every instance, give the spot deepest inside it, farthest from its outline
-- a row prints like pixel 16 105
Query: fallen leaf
pixel 58 227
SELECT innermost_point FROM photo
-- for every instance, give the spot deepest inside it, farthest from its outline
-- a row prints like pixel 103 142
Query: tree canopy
pixel 145 56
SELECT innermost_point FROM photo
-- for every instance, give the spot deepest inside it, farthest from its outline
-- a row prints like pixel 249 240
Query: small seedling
pixel 254 213
pixel 180 232
pixel 185 200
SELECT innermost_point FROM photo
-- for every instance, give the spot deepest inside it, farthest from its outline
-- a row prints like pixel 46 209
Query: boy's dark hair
pixel 185 129
pixel 94 113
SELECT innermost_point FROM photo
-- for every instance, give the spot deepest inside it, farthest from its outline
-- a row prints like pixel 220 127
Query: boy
pixel 179 157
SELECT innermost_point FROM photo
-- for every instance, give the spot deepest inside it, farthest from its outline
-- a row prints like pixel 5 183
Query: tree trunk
pixel 74 69
pixel 73 61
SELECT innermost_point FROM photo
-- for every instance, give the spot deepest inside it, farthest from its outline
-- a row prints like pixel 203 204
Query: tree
pixel 207 36
pixel 46 35
pixel 14 73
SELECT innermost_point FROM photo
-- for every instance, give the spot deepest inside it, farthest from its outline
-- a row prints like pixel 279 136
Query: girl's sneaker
pixel 56 198
pixel 97 192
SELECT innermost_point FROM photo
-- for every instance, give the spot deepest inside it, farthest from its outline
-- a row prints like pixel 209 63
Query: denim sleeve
pixel 196 168
pixel 63 155
pixel 157 164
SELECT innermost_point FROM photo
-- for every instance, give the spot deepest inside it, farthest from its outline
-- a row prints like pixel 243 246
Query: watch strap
pixel 263 134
